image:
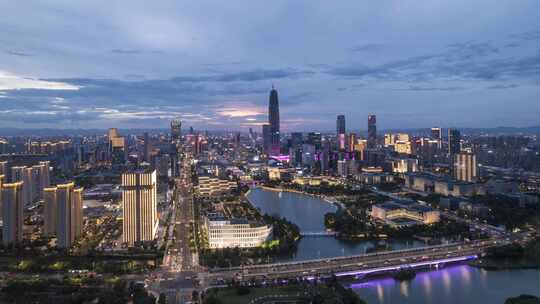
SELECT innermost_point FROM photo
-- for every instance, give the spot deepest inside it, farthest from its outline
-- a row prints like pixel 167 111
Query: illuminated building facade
pixel 12 213
pixel 139 202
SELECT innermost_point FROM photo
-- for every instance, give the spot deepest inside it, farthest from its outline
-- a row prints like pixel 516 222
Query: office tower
pixel 3 168
pixel 360 148
pixel 315 138
pixel 436 133
pixel 342 168
pixel 116 146
pixel 146 147
pixel 113 133
pixel 389 139
pixel 49 211
pixel 340 132
pixel 12 213
pixel 139 199
pixel 372 131
pixel 465 167
pixel 324 155
pixel 340 124
pixel 69 214
pixel 266 138
pixel 296 139
pixel 454 141
pixel 351 142
pixel 176 130
pixel 273 120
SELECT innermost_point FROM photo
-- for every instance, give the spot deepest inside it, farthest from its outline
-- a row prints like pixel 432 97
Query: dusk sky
pixel 139 64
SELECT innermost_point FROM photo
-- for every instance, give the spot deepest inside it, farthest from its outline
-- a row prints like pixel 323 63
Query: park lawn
pixel 229 296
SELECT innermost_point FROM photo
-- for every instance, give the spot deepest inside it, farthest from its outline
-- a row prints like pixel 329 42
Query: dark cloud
pixel 502 86
pixel 372 47
pixel 247 76
pixel 527 36
pixel 126 51
pixel 18 53
pixel 419 88
pixel 461 61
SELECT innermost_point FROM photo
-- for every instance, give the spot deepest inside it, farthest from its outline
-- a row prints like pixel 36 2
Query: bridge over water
pixel 358 265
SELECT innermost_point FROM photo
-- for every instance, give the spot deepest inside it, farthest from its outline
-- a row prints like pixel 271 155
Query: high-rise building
pixel 49 211
pixel 176 130
pixel 454 141
pixel 17 173
pixel 296 139
pixel 340 124
pixel 12 213
pixel 266 138
pixel 340 132
pixel 436 133
pixel 315 138
pixel 273 120
pixel 3 168
pixel 45 173
pixel 351 142
pixel 69 214
pixel 28 187
pixel 139 201
pixel 465 166
pixel 40 178
pixel 372 131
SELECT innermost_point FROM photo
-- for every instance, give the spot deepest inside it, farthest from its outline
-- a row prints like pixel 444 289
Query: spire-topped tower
pixel 273 120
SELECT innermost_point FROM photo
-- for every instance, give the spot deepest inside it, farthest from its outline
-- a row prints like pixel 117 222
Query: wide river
pixel 455 284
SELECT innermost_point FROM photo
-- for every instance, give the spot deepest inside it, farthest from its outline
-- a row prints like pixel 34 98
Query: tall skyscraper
pixel 340 132
pixel 176 130
pixel 266 138
pixel 372 131
pixel 351 142
pixel 273 120
pixel 315 138
pixel 12 213
pixel 69 214
pixel 465 167
pixel 49 211
pixel 340 124
pixel 454 141
pixel 139 201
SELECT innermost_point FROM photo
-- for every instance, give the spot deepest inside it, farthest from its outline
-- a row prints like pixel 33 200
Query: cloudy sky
pixel 97 64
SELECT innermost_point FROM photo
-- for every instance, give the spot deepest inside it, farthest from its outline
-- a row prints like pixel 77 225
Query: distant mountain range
pixel 533 130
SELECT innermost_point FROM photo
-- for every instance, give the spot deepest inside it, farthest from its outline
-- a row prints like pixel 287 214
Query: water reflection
pixel 450 285
pixel 308 213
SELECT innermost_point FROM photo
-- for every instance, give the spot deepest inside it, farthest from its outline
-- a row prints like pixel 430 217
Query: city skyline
pixel 73 66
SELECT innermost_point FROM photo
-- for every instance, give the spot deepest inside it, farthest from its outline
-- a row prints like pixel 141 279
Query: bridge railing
pixel 352 257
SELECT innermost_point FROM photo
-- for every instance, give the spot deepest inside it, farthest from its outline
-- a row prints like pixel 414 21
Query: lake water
pixel 308 213
pixel 450 285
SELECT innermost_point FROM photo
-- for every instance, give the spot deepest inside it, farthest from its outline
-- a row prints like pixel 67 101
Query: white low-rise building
pixel 230 233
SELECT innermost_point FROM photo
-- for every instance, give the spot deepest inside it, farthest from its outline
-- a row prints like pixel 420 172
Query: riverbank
pixel 511 257
pixel 325 198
